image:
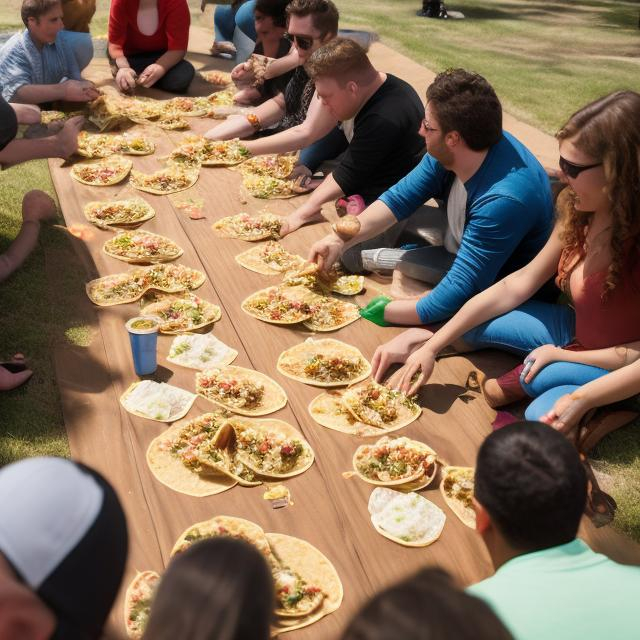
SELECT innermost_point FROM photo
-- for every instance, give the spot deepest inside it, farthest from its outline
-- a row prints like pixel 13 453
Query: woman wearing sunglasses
pixel 584 354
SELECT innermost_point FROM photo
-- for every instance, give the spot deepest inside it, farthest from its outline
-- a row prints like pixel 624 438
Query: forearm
pixel 19 249
pixel 279 66
pixel 402 312
pixel 613 387
pixel 170 59
pixel 37 93
pixel 21 150
pixel 326 192
pixel 26 113
pixel 375 219
pixel 611 358
pixel 239 127
pixel 116 52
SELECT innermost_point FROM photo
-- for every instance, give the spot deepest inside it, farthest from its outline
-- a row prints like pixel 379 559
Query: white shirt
pixel 456 214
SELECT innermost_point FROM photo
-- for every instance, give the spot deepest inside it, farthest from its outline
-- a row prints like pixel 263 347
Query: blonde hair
pixel 608 130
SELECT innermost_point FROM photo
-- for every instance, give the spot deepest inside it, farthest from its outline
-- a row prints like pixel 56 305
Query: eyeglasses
pixel 302 42
pixel 426 127
pixel 574 170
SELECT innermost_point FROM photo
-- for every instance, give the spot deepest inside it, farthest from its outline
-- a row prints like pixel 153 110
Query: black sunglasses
pixel 574 170
pixel 302 42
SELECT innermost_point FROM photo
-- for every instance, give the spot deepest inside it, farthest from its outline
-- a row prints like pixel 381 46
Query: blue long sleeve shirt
pixel 509 217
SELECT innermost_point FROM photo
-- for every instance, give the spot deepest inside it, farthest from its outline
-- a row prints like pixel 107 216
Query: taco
pixel 265 187
pixel 380 407
pixel 269 259
pixel 218 78
pixel 157 401
pixel 197 351
pixel 223 153
pixel 182 106
pixel 273 166
pixel 271 448
pixel 222 98
pixel 457 490
pixel 186 312
pixel 141 247
pixel 169 180
pixel 96 145
pixel 102 173
pixel 324 363
pixel 276 305
pixel 118 212
pixel 243 391
pixel 394 461
pixel 173 462
pixel 245 227
pixel 137 602
pixel 171 123
pixel 134 145
pixel 330 314
pixel 106 113
pixel 408 519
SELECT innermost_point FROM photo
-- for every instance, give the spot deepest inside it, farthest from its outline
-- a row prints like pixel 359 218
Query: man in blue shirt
pixel 530 493
pixel 499 207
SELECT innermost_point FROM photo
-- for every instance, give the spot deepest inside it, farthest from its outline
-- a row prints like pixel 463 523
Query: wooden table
pixel 329 511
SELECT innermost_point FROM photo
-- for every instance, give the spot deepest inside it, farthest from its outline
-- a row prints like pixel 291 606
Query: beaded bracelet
pixel 254 121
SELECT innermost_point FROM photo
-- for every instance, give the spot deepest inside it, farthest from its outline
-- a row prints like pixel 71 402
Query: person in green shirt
pixel 530 493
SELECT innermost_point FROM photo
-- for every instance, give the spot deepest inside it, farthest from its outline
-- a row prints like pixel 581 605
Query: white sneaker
pixel 377 259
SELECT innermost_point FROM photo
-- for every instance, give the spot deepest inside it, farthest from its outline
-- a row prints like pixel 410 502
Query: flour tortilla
pixel 135 630
pixel 307 561
pixel 121 166
pixel 211 313
pixel 331 314
pixel 407 410
pixel 254 259
pixel 278 427
pixel 121 212
pixel 269 227
pixel 274 397
pixel 465 514
pixel 138 178
pixel 407 519
pixel 292 361
pixel 170 471
pixel 392 443
pixel 171 250
pixel 179 401
pixel 204 352
pixel 294 295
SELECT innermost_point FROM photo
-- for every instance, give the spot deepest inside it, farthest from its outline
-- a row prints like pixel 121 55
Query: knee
pixel 178 78
pixel 534 411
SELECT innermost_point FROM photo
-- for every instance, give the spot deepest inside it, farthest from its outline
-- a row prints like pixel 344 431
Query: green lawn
pixel 545 59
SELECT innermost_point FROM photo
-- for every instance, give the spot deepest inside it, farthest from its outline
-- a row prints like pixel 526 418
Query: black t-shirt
pixel 386 144
pixel 8 123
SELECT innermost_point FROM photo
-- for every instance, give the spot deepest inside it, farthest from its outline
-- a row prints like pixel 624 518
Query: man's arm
pixel 26 113
pixel 69 90
pixel 317 124
pixel 268 114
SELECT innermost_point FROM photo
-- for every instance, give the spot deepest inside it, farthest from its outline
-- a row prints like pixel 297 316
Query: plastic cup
pixel 143 335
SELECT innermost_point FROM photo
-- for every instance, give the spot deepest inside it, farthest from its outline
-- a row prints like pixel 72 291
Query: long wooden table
pixel 329 511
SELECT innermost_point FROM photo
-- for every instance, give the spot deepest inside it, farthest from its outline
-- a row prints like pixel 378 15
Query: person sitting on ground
pixel 226 18
pixel 38 65
pixel 76 16
pixel 498 202
pixel 147 44
pixel 63 548
pixel 581 356
pixel 271 23
pixel 220 588
pixel 530 493
pixel 311 23
pixel 425 606
pixel 380 117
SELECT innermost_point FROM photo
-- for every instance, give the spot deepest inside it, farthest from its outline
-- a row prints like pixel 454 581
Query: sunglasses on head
pixel 302 42
pixel 574 170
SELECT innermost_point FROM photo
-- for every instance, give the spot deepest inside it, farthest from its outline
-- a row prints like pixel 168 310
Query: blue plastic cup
pixel 143 335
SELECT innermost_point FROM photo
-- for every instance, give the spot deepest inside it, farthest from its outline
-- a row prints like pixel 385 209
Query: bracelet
pixel 254 121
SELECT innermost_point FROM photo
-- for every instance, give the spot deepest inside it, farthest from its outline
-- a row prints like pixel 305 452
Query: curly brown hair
pixel 608 130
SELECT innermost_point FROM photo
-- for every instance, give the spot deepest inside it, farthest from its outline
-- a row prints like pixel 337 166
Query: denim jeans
pixel 176 80
pixel 225 20
pixel 327 148
pixel 81 45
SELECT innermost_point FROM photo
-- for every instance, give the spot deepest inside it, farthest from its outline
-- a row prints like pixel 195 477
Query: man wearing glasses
pixel 311 23
pixel 498 204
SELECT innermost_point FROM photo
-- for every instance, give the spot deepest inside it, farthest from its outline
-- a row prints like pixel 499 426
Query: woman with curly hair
pixel 581 355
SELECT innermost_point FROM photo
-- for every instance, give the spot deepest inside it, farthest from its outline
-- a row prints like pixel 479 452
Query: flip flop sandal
pixel 600 507
pixel 604 422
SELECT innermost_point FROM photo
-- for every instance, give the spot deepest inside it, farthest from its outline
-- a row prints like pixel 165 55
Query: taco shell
pixel 137 608
pixel 448 487
pixel 117 166
pixel 254 259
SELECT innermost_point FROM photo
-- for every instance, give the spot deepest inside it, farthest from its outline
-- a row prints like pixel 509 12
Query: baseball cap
pixel 63 531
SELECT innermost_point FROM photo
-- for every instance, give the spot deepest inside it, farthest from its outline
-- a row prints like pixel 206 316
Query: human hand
pixel 126 79
pixel 538 359
pixel 79 91
pixel 151 75
pixel 242 72
pixel 38 206
pixel 325 252
pixel 396 350
pixel 567 412
pixel 421 362
pixel 67 137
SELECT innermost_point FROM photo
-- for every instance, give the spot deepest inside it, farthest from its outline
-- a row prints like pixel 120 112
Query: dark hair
pixel 340 58
pixel 426 606
pixel 36 8
pixel 465 102
pixel 530 480
pixel 219 589
pixel 275 9
pixel 324 14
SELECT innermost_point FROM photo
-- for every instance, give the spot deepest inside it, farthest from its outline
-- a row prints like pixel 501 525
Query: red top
pixel 609 322
pixel 172 33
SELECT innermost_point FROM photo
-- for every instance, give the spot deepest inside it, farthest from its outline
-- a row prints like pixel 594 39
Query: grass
pixel 545 60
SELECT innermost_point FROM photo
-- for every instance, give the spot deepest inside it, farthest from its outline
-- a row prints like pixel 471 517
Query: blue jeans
pixel 327 148
pixel 225 20
pixel 81 45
